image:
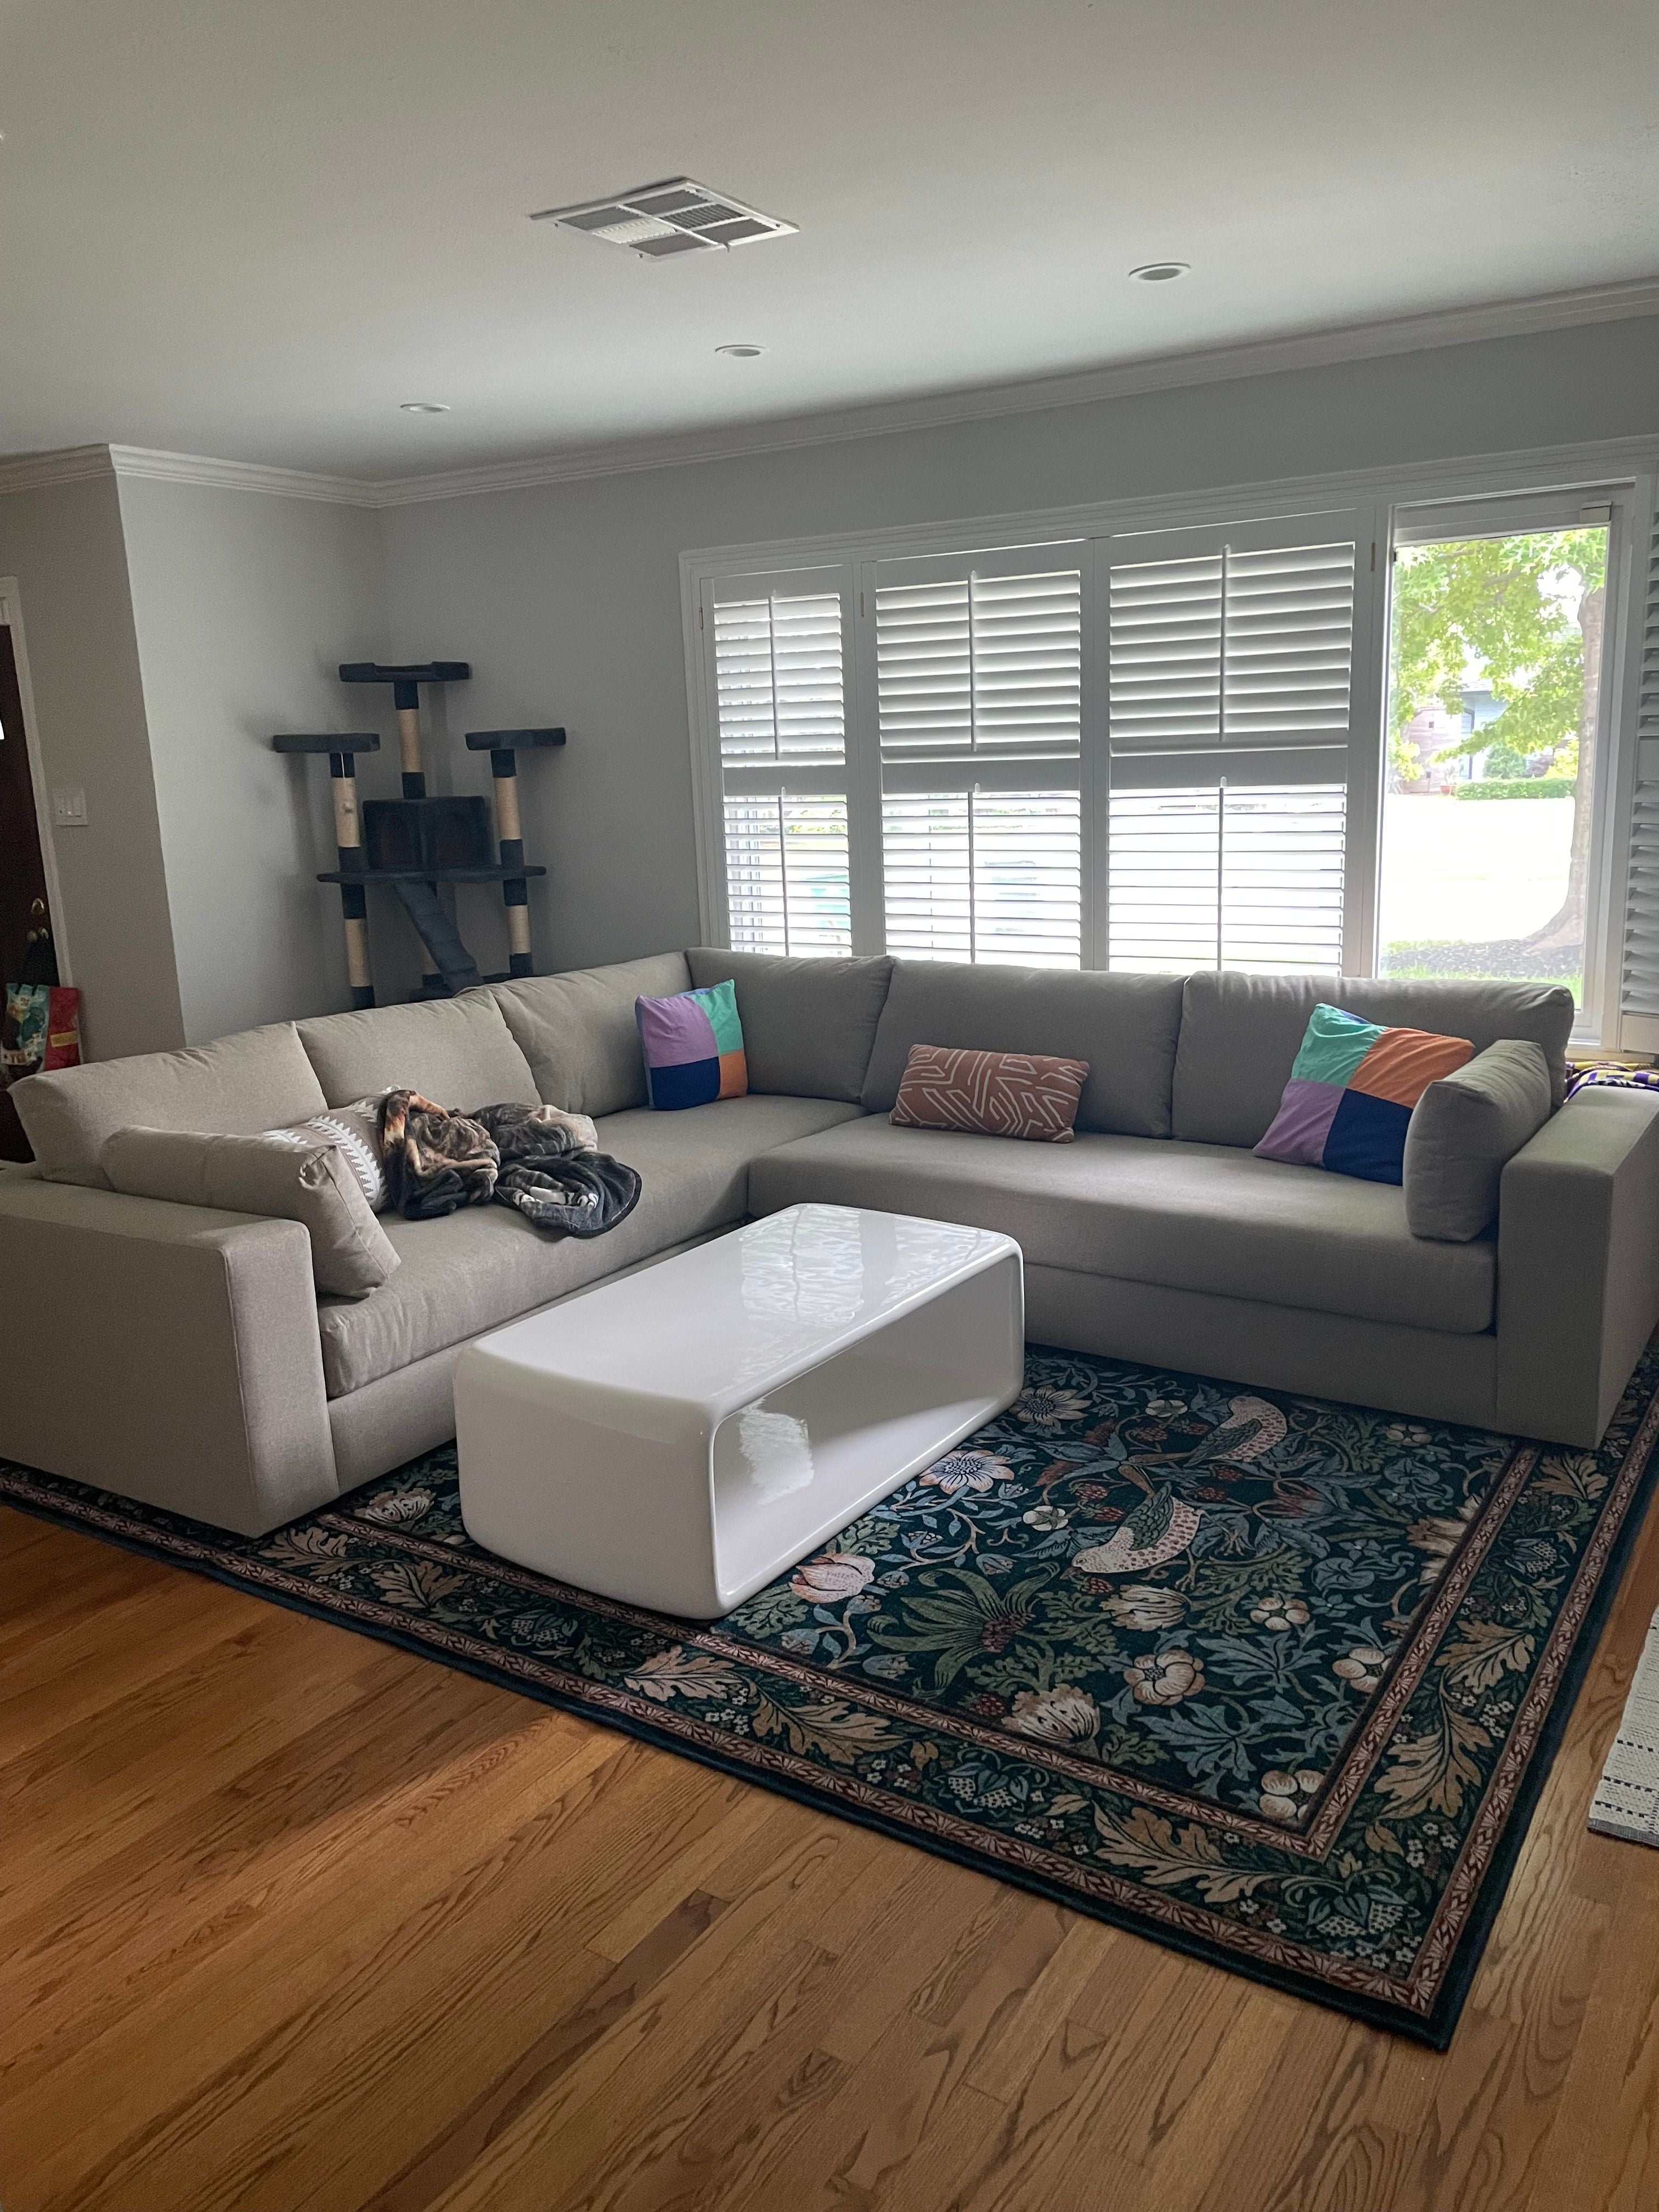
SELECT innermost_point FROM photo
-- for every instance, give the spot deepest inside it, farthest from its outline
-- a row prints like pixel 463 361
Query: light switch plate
pixel 68 806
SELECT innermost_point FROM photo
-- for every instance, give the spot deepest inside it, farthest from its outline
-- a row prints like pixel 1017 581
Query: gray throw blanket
pixel 538 1159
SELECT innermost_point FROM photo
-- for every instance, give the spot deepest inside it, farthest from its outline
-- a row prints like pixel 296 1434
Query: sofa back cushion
pixel 1125 1027
pixel 1240 1035
pixel 233 1087
pixel 578 1032
pixel 809 1026
pixel 458 1052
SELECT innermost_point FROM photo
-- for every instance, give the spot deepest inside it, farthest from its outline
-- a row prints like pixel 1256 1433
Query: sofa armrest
pixel 168 1353
pixel 1577 1264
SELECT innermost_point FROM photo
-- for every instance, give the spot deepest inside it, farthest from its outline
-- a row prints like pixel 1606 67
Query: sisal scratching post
pixel 406 678
pixel 349 844
pixel 503 747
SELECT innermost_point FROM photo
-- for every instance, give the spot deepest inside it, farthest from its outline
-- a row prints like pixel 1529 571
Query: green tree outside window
pixel 1531 609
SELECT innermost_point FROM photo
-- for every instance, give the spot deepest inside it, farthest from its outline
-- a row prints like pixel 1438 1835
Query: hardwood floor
pixel 295 1920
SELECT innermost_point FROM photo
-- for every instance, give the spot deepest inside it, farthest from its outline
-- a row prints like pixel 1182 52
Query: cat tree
pixel 414 843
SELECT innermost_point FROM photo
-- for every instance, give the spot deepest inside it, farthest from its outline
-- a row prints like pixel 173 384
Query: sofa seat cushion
pixel 474 1270
pixel 1186 1217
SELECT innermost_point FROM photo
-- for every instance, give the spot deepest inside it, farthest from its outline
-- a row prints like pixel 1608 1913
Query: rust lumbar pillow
pixel 994 1094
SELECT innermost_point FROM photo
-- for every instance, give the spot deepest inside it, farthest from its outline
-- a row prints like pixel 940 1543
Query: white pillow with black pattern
pixel 356 1130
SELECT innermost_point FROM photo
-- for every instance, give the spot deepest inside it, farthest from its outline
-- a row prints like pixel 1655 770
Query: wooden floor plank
pixel 296 1920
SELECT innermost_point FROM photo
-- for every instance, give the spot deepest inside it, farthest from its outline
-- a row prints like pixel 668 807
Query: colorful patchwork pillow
pixel 693 1047
pixel 1349 1100
pixel 991 1094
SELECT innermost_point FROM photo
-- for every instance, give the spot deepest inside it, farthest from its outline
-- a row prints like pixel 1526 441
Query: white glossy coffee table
pixel 678 1437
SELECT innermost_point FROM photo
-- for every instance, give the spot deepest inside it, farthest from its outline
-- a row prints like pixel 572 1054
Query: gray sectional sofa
pixel 181 1356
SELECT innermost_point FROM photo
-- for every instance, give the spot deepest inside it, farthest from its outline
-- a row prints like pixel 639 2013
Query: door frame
pixel 11 616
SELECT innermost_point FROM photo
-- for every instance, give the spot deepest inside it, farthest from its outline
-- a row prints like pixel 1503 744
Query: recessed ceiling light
pixel 1159 272
pixel 422 407
pixel 741 352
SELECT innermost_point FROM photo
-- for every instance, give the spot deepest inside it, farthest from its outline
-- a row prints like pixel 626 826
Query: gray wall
pixel 64 545
pixel 173 628
pixel 243 605
pixel 566 598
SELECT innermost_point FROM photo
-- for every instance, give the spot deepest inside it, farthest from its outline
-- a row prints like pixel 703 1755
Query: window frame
pixel 1601 1024
pixel 1625 468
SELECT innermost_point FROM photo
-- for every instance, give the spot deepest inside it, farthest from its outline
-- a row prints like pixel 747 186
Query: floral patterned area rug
pixel 1273 1681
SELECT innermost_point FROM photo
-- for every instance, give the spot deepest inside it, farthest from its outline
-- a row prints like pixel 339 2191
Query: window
pixel 1154 743
pixel 979 715
pixel 1495 706
pixel 1230 658
pixel 780 707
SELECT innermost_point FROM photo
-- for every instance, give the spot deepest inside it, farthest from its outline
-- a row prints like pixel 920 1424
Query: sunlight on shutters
pixel 786 874
pixel 1212 877
pixel 986 876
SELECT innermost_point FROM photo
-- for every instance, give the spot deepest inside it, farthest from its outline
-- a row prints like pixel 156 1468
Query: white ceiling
pixel 252 230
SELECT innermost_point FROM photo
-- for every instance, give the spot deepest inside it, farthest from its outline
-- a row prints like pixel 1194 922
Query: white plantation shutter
pixel 1282 868
pixel 979 712
pixel 786 873
pixel 1226 876
pixel 1230 663
pixel 1638 989
pixel 1163 851
pixel 983 875
pixel 780 693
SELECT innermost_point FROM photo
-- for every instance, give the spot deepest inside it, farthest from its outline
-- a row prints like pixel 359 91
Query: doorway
pixel 23 901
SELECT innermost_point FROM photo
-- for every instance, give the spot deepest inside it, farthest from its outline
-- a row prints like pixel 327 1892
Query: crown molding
pixel 69 464
pixel 242 475
pixel 1165 372
pixel 1423 483
pixel 81 464
pixel 1257 357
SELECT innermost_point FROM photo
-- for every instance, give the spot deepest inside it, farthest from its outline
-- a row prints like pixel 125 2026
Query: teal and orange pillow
pixel 693 1045
pixel 1349 1100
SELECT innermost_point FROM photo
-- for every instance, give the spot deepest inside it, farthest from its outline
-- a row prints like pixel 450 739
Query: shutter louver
pixel 986 876
pixel 1164 859
pixel 1212 876
pixel 780 698
pixel 1166 654
pixel 786 874
pixel 1288 646
pixel 979 682
pixel 1638 991
pixel 1282 868
pixel 1235 647
pixel 1229 665
pixel 778 677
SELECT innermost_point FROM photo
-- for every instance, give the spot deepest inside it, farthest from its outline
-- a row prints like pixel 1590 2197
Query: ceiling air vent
pixel 676 217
